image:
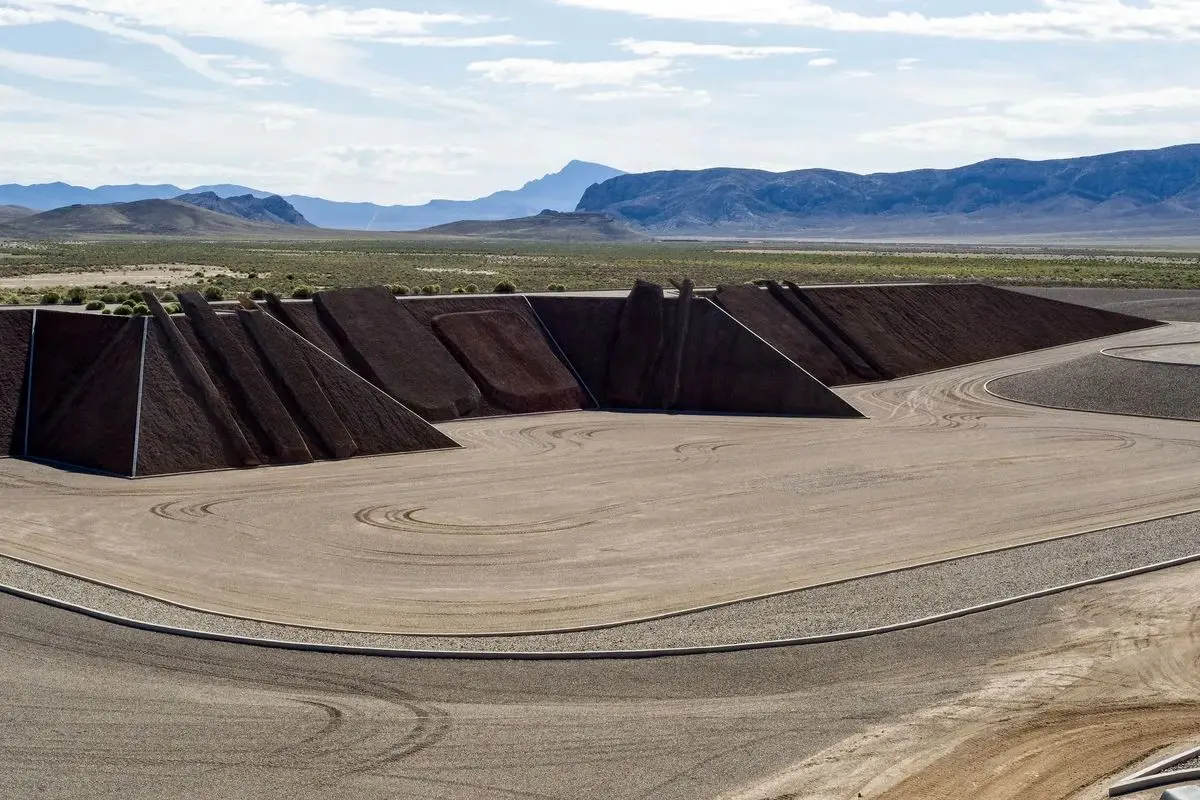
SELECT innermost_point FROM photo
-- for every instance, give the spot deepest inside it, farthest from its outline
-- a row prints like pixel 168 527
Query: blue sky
pixel 404 101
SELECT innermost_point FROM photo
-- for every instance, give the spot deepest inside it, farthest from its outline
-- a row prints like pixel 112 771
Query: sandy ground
pixel 576 519
pixel 1050 699
pixel 144 274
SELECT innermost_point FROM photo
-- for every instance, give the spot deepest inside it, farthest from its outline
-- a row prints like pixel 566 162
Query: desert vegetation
pixel 410 266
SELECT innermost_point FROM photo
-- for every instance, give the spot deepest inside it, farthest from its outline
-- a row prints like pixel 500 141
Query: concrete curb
pixel 1153 775
pixel 493 655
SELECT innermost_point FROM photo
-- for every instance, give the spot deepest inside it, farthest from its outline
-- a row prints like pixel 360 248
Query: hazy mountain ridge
pixel 272 210
pixel 556 225
pixel 559 191
pixel 140 217
pixel 1153 189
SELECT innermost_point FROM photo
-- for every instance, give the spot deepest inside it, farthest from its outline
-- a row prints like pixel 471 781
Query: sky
pixel 402 101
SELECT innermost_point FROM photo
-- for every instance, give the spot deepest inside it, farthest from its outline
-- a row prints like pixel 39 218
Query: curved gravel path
pixel 872 602
pixel 1110 385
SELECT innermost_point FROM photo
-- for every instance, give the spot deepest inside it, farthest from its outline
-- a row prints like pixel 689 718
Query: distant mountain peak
pixel 273 209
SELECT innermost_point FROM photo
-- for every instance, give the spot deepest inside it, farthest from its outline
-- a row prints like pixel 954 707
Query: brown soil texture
pixel 427 309
pixel 387 345
pixel 228 348
pixel 857 362
pixel 638 347
pixel 729 370
pixel 333 399
pixel 585 328
pixel 15 329
pixel 510 361
pixel 278 351
pixel 302 317
pixel 181 430
pixel 762 313
pixel 85 390
pixel 378 423
pixel 907 330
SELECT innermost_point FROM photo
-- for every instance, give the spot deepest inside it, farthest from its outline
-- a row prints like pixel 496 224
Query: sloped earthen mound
pixel 762 313
pixel 651 352
pixel 388 346
pixel 510 361
pixel 907 330
pixel 309 405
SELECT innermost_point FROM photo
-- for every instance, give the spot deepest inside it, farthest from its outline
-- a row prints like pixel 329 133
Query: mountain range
pixel 140 217
pixel 559 191
pixel 1155 191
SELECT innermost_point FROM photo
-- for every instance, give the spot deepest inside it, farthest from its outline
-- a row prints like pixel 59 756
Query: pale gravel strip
pixel 853 605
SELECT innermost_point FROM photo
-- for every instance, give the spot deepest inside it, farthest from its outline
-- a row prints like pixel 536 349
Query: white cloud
pixel 68 70
pixel 572 74
pixel 905 64
pixel 394 162
pixel 822 62
pixel 688 98
pixel 727 51
pixel 855 74
pixel 1097 20
pixel 464 41
pixel 1167 114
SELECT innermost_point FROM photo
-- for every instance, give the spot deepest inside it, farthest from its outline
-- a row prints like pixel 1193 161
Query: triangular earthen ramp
pixel 334 412
pixel 725 368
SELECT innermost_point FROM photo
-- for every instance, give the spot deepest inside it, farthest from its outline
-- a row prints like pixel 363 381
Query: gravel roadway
pixel 1178 305
pixel 581 519
pixel 1043 699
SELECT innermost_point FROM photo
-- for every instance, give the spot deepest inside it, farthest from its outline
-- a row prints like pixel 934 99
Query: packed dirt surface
pixel 164 274
pixel 587 518
pixel 1049 699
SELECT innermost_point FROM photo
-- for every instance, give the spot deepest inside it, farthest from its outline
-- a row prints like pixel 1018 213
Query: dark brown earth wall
pixel 15 330
pixel 252 395
pixel 85 390
pixel 585 328
pixel 637 351
pixel 387 345
pixel 762 313
pixel 510 360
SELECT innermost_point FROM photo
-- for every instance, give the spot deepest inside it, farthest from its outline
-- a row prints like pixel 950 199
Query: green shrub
pixel 472 288
pixel 109 298
pixel 134 296
pixel 50 298
pixel 141 310
pixel 94 305
pixel 556 287
pixel 173 308
pixel 258 293
pixel 11 300
pixel 76 295
pixel 401 290
pixel 432 288
pixel 123 311
pixel 505 287
pixel 168 297
pixel 106 311
pixel 302 292
pixel 252 276
pixel 129 303
pixel 213 294
pixel 458 290
pixel 289 277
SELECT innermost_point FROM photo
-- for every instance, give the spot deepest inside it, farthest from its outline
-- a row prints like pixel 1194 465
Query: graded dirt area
pixel 1049 699
pixel 586 518
pixel 165 274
